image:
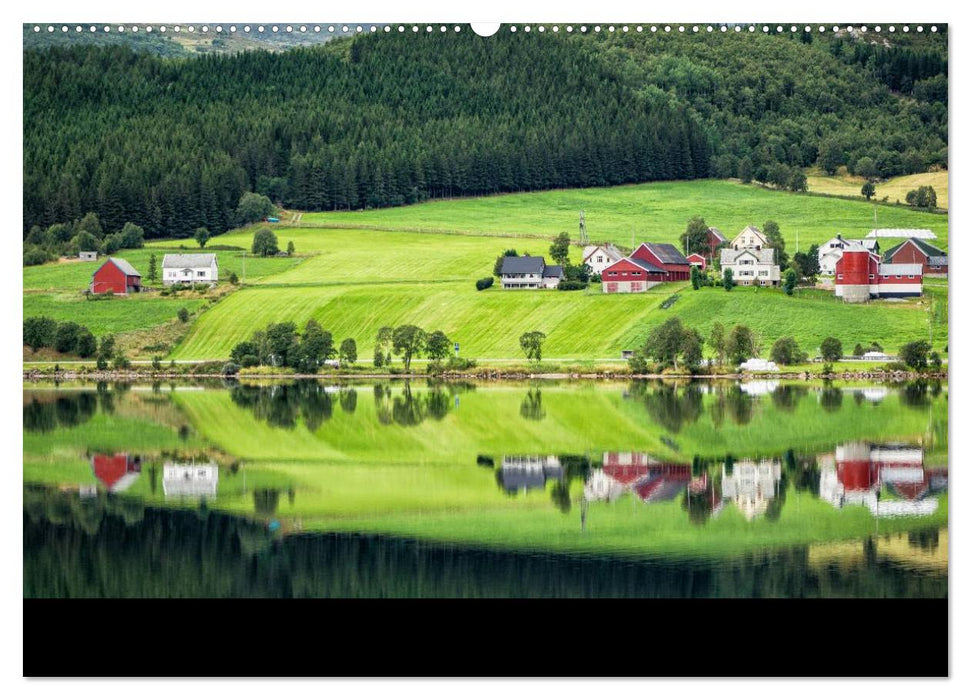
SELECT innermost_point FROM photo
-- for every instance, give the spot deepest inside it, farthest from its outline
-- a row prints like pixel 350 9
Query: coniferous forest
pixel 380 120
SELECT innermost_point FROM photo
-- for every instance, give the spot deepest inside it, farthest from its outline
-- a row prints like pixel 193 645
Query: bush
pixel 86 345
pixel 831 349
pixel 35 255
pixel 484 283
pixel 39 332
pixel 66 338
pixel 895 366
pixel 249 360
pixel 183 314
pixel 459 364
pixel 121 362
pixel 201 287
pixel 265 243
pixel 230 369
pixel 571 285
pixel 786 351
pixel 233 278
pixel 637 363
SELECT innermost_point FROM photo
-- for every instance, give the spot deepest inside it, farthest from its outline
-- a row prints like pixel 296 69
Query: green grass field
pixel 656 212
pixel 578 326
pixel 896 188
pixel 355 280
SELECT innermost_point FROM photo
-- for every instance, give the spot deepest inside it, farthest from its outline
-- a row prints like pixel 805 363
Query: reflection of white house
pixel 875 394
pixel 752 484
pixel 832 250
pixel 191 268
pixel 861 470
pixel 759 388
pixel 524 472
pixel 598 257
pixel 192 480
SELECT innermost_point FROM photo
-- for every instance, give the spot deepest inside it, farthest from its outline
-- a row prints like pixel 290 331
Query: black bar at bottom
pixel 486 638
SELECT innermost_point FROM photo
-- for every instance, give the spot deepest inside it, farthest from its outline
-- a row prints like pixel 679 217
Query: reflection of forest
pixel 112 546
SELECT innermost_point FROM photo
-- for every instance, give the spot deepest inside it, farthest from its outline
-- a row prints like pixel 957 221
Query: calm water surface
pixel 762 489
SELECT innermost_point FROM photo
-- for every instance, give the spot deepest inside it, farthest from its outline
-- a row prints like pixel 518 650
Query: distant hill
pixel 388 119
pixel 180 44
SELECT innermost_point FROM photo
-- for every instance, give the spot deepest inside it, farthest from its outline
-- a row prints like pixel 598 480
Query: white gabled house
pixel 751 266
pixel 191 268
pixel 750 237
pixel 599 257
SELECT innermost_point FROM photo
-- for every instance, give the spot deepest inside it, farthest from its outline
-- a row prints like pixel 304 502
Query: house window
pixel 612 274
pixel 839 277
pixel 910 277
pixel 636 273
pixel 600 258
pixel 201 273
pixel 898 277
pixel 871 276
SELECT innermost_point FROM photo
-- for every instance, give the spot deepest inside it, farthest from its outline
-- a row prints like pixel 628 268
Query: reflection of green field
pixel 656 211
pixel 355 474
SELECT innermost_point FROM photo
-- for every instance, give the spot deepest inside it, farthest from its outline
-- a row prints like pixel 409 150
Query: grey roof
pixel 523 265
pixel 902 233
pixel 188 260
pixel 901 269
pixel 667 253
pixel 123 265
pixel 764 255
pixel 553 271
pixel 611 251
pixel 644 264
pixel 923 246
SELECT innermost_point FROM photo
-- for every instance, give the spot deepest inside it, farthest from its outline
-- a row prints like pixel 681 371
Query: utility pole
pixel 584 240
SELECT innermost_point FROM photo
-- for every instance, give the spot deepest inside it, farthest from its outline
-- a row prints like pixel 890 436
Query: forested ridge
pixel 384 120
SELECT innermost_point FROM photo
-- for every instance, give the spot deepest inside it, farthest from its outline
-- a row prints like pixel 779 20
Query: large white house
pixel 831 251
pixel 751 266
pixel 598 257
pixel 192 480
pixel 191 268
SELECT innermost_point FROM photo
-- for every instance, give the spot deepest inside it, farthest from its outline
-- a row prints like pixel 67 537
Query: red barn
pixel 116 276
pixel 666 257
pixel 698 261
pixel 860 276
pixel 116 472
pixel 915 251
pixel 715 241
pixel 631 275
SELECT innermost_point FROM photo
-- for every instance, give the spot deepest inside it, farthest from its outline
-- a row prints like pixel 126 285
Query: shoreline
pixel 34 376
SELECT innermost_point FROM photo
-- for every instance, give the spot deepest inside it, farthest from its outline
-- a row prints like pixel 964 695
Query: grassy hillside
pixel 360 280
pixel 895 189
pixel 656 211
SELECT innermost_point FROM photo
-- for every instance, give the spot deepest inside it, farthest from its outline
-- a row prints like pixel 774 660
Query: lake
pixel 544 489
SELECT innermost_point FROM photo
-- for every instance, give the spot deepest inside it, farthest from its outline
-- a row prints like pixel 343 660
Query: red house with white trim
pixel 666 257
pixel 115 276
pixel 915 251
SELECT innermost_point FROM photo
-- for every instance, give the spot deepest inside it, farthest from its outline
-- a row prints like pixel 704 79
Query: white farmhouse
pixel 529 272
pixel 831 251
pixel 751 266
pixel 750 237
pixel 191 268
pixel 598 257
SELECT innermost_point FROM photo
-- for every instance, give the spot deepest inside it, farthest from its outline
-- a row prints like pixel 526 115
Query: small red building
pixel 666 257
pixel 716 239
pixel 698 261
pixel 932 259
pixel 115 276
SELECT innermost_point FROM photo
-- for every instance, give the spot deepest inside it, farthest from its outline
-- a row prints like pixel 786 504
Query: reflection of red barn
pixel 117 276
pixel 116 472
pixel 650 479
pixel 860 468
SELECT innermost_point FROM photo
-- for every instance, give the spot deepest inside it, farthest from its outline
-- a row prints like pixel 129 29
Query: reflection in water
pixel 281 404
pixel 116 472
pixel 525 472
pixel 890 480
pixel 532 406
pixel 181 480
pixel 752 484
pixel 98 550
pixel 409 408
pixel 49 411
